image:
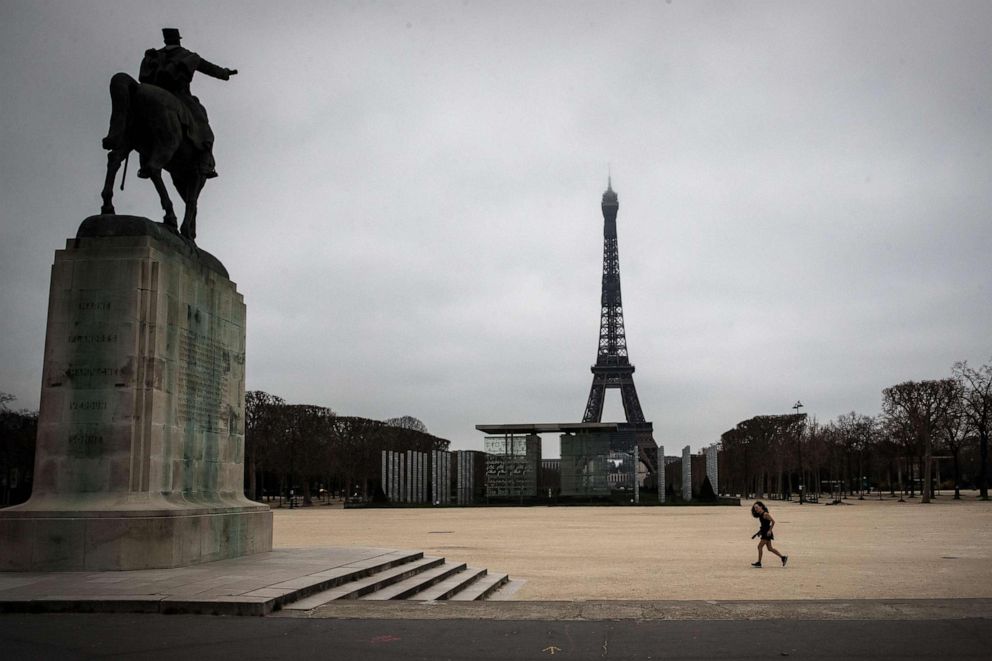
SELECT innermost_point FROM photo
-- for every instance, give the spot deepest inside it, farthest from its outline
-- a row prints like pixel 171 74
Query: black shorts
pixel 768 536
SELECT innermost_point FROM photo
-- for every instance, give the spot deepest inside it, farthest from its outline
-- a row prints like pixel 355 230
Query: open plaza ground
pixel 623 582
pixel 863 549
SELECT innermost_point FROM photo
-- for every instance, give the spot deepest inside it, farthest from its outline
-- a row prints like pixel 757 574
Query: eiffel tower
pixel 613 368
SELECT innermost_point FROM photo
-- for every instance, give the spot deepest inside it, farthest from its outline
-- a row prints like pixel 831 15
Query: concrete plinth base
pixel 140 452
pixel 144 539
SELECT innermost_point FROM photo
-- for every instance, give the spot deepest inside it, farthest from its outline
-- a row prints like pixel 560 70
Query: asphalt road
pixel 172 637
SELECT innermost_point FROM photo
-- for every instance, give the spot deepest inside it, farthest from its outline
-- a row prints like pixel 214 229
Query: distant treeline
pixel 306 448
pixel 944 419
pixel 286 445
pixel 17 438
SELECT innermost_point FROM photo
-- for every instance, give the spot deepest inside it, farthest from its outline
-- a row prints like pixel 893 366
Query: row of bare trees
pixel 303 446
pixel 920 422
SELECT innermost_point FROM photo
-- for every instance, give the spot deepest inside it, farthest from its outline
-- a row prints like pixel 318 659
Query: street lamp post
pixel 799 448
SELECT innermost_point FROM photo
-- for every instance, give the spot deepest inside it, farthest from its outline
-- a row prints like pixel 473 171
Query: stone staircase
pixel 404 575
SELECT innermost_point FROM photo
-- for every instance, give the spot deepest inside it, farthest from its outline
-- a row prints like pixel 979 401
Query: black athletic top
pixel 766 526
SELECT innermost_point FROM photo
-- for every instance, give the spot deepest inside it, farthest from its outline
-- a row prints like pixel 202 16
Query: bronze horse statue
pixel 154 122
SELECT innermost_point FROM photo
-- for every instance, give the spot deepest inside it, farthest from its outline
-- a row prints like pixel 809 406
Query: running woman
pixel 760 512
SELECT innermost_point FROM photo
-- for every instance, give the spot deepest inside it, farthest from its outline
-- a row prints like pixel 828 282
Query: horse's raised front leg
pixel 114 159
pixel 163 195
pixel 193 187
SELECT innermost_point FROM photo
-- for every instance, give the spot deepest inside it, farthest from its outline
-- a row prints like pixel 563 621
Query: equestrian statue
pixel 159 117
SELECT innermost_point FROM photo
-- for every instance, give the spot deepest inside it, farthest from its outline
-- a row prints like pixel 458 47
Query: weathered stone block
pixel 140 442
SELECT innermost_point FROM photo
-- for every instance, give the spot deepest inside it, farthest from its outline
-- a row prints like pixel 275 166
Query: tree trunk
pixel 746 486
pixel 983 475
pixel 861 477
pixel 926 470
pixel 957 484
pixel 910 466
pixel 902 488
pixel 847 482
pixel 252 478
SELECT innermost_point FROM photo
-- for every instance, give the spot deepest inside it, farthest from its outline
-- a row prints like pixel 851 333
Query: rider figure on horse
pixel 172 69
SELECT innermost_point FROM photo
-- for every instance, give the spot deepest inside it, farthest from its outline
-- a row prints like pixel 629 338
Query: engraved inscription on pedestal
pixel 202 379
pixel 85 444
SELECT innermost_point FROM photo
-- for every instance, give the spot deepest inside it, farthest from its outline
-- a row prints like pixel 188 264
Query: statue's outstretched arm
pixel 214 71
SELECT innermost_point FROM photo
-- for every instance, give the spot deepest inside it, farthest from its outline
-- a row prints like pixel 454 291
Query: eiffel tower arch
pixel 613 368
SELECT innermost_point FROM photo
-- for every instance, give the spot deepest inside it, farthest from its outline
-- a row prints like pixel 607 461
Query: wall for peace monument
pixel 140 452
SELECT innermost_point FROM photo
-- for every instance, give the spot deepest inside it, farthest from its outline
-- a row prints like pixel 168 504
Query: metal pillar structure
pixel 713 467
pixel 686 474
pixel 661 474
pixel 613 368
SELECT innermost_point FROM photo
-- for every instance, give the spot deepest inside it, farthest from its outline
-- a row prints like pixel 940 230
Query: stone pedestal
pixel 140 451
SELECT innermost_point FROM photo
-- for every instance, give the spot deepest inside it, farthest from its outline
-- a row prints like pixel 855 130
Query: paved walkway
pixel 252 585
pixel 871 560
pixel 594 611
pixel 260 584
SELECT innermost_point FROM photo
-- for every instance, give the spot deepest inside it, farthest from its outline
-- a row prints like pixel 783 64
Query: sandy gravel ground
pixel 867 549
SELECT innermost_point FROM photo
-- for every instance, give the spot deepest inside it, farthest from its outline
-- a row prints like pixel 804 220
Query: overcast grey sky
pixel 409 196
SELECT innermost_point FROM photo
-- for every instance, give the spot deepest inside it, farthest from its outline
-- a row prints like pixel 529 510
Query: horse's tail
pixel 122 89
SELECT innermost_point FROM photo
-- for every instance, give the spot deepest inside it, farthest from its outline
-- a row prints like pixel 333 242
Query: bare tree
pixel 905 445
pixel 854 435
pixel 310 432
pixel 816 453
pixel 757 449
pixel 259 427
pixel 831 438
pixel 977 405
pixel 922 404
pixel 18 430
pixel 407 422
pixel 953 434
pixel 887 453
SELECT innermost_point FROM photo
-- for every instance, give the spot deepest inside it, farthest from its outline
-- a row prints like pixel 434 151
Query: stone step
pixel 481 589
pixel 311 584
pixel 366 584
pixel 411 586
pixel 450 586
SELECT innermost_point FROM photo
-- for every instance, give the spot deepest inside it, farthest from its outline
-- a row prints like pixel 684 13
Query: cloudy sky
pixel 409 197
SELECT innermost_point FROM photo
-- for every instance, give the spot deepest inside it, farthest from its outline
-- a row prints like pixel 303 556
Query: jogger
pixel 760 512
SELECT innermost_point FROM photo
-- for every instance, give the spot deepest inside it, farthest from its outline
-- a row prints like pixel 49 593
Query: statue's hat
pixel 170 34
